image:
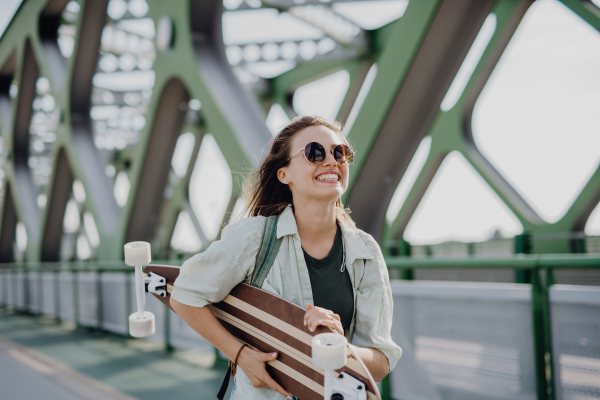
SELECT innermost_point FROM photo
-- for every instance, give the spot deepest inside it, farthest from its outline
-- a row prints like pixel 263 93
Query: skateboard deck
pixel 270 323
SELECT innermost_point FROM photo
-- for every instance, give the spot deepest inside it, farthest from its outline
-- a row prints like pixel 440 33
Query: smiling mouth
pixel 328 178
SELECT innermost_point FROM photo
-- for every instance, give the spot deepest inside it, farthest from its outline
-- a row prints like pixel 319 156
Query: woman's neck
pixel 316 222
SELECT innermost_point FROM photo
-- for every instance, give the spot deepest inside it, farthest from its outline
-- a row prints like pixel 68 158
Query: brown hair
pixel 264 193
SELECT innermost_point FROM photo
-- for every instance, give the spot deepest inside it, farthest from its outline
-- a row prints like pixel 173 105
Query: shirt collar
pixel 286 225
pixel 355 248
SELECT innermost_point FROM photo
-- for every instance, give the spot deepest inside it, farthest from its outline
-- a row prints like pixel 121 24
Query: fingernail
pixel 304 322
pixel 274 354
pixel 289 397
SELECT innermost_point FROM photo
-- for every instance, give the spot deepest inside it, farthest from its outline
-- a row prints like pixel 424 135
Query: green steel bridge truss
pixel 417 56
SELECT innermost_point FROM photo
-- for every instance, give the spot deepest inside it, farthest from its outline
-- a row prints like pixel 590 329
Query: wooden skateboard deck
pixel 272 324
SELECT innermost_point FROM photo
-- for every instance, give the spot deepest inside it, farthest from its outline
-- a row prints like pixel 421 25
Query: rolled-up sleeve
pixel 374 308
pixel 209 276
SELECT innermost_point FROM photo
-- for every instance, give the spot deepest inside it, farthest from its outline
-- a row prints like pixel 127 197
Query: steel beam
pixel 55 209
pixel 168 121
pixel 8 226
pixel 25 190
pixel 49 22
pixel 242 113
pixel 86 156
pixel 413 105
pixel 451 130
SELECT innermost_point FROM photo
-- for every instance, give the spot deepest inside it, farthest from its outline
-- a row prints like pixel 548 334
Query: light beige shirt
pixel 209 276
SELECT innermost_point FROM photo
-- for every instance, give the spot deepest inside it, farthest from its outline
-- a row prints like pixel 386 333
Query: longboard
pixel 272 324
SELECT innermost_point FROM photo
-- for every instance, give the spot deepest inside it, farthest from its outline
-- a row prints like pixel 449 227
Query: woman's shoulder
pixel 369 241
pixel 245 228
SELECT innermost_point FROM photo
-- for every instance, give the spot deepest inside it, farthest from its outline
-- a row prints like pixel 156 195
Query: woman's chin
pixel 330 193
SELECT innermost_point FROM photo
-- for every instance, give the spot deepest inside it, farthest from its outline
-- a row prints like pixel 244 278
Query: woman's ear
pixel 282 176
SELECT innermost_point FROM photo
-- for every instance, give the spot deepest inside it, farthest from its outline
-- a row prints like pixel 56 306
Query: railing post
pixel 168 346
pixel 405 250
pixel 549 356
pixel 57 294
pixel 386 388
pixel 578 245
pixel 523 246
pixel 40 291
pixel 25 289
pixel 4 299
pixel 75 297
pixel 402 249
pixel 5 292
pixel 128 305
pixel 15 290
pixel 99 305
pixel 541 337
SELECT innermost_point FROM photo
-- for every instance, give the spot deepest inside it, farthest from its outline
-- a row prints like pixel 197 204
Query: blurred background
pixel 476 125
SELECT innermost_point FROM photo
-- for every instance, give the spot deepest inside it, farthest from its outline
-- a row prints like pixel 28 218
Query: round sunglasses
pixel 315 153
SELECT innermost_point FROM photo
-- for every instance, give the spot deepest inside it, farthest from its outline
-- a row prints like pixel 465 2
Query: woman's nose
pixel 329 158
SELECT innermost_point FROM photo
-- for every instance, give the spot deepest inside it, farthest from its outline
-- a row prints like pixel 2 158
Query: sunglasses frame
pixel 351 158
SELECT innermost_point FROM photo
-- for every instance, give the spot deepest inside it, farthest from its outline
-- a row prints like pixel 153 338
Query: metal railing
pixel 537 270
pixel 12 273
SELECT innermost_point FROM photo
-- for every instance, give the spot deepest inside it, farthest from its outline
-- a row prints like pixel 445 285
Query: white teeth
pixel 328 177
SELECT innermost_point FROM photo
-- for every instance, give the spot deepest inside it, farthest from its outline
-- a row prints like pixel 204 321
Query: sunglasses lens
pixel 342 154
pixel 315 153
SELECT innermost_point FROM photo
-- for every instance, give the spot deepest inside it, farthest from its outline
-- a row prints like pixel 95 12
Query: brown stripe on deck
pixel 297 388
pixel 282 356
pixel 276 306
pixel 275 331
pixel 290 359
pixel 300 391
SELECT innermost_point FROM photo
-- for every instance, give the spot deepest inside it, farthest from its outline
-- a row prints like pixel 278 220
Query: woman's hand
pixel 252 363
pixel 316 316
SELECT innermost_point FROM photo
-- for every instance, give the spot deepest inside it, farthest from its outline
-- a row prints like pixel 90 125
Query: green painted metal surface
pixel 451 131
pixel 393 47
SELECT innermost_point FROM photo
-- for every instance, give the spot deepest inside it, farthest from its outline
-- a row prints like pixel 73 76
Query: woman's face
pixel 326 181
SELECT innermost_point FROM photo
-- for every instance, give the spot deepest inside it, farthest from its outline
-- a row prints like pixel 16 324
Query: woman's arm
pixel 252 362
pixel 375 361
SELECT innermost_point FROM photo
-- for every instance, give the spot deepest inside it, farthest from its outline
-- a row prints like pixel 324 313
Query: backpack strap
pixel 267 251
pixel 269 246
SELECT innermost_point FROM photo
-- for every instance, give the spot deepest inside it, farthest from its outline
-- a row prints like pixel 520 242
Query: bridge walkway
pixel 42 359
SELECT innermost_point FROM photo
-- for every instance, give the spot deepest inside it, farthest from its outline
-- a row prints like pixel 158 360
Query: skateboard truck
pixel 329 353
pixel 141 323
pixel 155 284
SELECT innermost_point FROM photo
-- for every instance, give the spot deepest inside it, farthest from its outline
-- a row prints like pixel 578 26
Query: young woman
pixel 324 264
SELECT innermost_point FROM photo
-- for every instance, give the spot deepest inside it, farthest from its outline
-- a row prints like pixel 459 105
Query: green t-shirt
pixel 332 288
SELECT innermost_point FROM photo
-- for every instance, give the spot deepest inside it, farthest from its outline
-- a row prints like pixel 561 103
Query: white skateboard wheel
pixel 329 351
pixel 137 253
pixel 141 327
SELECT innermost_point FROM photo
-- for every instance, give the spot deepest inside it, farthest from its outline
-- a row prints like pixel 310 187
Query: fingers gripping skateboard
pixel 329 352
pixel 141 323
